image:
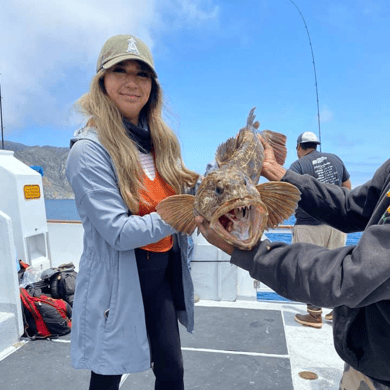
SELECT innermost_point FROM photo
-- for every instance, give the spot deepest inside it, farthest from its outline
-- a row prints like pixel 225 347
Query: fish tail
pixel 278 144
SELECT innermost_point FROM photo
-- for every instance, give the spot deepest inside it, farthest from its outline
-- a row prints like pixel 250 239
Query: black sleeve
pixel 354 276
pixel 346 210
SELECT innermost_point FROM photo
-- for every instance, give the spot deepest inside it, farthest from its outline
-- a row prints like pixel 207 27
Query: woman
pixel 133 281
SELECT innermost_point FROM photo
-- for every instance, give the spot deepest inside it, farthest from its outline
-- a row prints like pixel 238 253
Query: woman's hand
pixel 212 237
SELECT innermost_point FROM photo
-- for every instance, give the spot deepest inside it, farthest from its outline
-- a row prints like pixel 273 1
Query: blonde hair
pixel 106 117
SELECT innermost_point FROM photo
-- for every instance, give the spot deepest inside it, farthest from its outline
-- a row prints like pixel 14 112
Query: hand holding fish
pixel 271 169
pixel 235 207
pixel 211 236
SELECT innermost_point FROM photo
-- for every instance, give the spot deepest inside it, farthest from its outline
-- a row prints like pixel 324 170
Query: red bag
pixel 45 317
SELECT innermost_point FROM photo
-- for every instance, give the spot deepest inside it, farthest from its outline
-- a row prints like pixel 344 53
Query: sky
pixel 215 59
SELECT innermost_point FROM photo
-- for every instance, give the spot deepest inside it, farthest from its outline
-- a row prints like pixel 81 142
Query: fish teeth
pixel 240 212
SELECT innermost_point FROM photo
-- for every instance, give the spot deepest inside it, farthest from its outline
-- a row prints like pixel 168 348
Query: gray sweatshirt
pixel 355 280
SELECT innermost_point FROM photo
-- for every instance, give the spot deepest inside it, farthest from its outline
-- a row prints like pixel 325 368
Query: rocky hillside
pixel 52 160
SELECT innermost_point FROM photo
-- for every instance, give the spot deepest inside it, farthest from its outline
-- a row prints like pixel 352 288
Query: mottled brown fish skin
pixel 244 152
pixel 228 197
pixel 227 189
pixel 221 187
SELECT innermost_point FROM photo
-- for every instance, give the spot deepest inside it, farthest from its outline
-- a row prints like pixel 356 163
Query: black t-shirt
pixel 326 168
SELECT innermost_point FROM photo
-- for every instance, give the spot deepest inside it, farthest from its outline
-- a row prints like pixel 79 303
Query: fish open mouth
pixel 237 221
pixel 240 223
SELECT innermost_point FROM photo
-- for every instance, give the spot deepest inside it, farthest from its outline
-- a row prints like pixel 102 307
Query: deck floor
pixel 241 345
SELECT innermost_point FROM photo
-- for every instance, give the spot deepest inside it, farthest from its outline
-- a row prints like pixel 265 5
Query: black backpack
pixel 61 282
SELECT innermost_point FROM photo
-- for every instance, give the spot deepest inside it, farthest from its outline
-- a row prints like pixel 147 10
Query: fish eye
pixel 219 190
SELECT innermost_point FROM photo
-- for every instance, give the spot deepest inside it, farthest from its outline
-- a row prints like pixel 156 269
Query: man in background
pixel 326 168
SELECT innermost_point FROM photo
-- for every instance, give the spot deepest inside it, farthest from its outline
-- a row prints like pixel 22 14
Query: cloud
pixel 345 141
pixel 349 16
pixel 194 9
pixel 326 115
pixel 372 8
pixel 49 48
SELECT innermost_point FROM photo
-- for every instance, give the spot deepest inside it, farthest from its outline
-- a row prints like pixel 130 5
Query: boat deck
pixel 241 345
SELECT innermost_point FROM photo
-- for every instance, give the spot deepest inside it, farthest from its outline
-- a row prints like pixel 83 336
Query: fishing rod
pixel 315 74
pixel 1 120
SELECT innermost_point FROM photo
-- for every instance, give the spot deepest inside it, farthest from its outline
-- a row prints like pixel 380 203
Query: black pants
pixel 161 326
pixel 104 382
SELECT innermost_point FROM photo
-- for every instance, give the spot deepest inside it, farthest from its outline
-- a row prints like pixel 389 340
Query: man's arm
pixel 313 274
pixel 347 184
pixel 344 209
pixel 326 278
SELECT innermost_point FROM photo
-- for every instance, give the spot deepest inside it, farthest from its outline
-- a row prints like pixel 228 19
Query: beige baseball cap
pixel 124 47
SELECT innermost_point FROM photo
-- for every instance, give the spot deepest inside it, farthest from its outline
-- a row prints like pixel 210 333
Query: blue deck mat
pixel 271 296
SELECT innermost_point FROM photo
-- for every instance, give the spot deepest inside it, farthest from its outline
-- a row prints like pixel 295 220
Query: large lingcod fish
pixel 238 210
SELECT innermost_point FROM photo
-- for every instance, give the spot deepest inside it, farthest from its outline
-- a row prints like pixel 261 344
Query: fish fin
pixel 178 211
pixel 251 118
pixel 250 122
pixel 281 199
pixel 278 144
pixel 226 150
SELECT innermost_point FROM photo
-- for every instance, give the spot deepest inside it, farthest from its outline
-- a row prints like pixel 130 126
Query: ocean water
pixel 65 210
pixel 352 238
pixel 61 209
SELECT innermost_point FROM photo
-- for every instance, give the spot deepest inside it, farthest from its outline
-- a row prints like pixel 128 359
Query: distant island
pixel 52 160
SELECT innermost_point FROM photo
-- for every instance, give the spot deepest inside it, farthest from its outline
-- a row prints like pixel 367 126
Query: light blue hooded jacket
pixel 107 281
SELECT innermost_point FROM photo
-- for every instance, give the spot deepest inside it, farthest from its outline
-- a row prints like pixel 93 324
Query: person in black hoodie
pixel 354 280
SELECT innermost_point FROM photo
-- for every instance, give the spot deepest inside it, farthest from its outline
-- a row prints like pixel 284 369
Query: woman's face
pixel 128 86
